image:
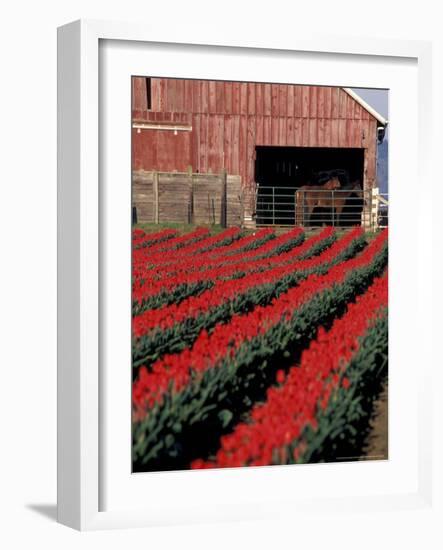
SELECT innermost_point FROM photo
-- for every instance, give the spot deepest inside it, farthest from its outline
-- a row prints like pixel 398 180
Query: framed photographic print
pixel 228 339
pixel 249 199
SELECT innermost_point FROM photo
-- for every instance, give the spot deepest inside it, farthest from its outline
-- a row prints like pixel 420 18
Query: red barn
pixel 268 134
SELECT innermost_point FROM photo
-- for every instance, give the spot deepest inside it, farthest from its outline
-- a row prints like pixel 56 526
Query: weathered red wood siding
pixel 229 119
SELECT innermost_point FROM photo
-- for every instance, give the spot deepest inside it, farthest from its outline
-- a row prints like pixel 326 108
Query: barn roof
pixel 366 106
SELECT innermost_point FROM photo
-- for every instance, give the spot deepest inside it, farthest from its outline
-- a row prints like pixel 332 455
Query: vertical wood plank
pixel 334 132
pixel 236 144
pixel 196 96
pixel 291 99
pixel 155 94
pixel 327 97
pixel 267 130
pixel 321 132
pixel 275 130
pixel 196 142
pixel 334 102
pixel 259 99
pixel 136 153
pixel 290 140
pixel 298 101
pixel 274 99
pixel 236 98
pixel 179 94
pixel 342 132
pixel 135 93
pixel 228 98
pixel 365 133
pixel 170 95
pixel 355 134
pixel 211 143
pixel 162 99
pixel 349 132
pixel 204 92
pixel 219 96
pixel 146 143
pixel 267 99
pixel 305 132
pixel 182 149
pixel 251 150
pixel 204 143
pixel 313 101
pixel 187 104
pixel 243 146
pixel 364 114
pixel 243 98
pixel 259 129
pixel 212 97
pixel 350 107
pixel 313 141
pixel 227 144
pixel 305 101
pixel 327 132
pixel 251 98
pixel 139 100
pixel 282 131
pixel 283 100
pixel 163 154
pixel 219 137
pixel 297 131
pixel 342 96
pixel 320 102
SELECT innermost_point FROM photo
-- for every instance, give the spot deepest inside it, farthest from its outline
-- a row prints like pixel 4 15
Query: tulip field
pixel 253 349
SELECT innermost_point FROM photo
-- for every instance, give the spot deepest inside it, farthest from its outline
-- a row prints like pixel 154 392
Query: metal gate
pixel 275 205
pixel 280 206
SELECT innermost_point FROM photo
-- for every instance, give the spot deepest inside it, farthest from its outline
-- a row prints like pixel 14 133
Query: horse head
pixel 332 184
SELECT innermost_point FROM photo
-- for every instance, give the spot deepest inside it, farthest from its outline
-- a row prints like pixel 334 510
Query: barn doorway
pixel 280 171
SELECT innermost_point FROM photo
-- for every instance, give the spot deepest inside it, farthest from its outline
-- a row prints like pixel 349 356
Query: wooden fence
pixel 186 197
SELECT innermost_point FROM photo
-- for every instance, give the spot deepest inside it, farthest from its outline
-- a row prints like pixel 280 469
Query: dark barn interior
pixel 280 171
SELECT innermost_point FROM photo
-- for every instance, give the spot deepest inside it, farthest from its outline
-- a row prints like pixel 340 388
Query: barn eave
pixel 381 119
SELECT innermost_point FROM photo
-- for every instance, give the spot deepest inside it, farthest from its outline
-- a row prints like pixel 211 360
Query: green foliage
pixel 171 296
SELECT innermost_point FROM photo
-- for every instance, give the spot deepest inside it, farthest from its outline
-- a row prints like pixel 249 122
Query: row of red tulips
pixel 257 290
pixel 209 349
pixel 203 260
pixel 187 399
pixel 180 245
pixel 226 290
pixel 145 288
pixel 140 239
pixel 273 433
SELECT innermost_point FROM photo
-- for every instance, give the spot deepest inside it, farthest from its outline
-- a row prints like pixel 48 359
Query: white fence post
pixel 374 208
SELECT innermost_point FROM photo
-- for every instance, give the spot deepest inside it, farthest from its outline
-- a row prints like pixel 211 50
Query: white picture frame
pixel 80 263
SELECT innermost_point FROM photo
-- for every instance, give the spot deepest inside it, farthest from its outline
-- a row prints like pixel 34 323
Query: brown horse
pixel 339 201
pixel 308 197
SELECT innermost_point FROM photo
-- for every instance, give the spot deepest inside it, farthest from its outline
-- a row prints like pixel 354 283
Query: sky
pixel 377 99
